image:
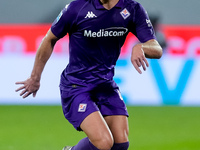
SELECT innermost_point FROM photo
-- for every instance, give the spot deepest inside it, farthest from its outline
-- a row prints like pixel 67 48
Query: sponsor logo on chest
pixel 108 32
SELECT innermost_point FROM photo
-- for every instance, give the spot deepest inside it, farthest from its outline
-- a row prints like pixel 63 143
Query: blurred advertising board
pixel 172 80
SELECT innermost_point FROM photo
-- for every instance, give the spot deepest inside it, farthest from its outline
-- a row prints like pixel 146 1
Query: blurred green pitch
pixel 151 128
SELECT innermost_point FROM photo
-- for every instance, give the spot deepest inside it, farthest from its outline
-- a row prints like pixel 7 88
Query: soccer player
pixel 91 100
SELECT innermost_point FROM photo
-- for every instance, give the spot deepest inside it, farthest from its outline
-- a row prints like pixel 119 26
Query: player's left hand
pixel 138 58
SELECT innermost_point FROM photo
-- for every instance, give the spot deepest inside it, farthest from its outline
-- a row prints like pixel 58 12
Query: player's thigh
pixel 96 129
pixel 118 125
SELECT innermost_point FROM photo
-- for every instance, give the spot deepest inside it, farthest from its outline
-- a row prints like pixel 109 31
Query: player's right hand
pixel 29 86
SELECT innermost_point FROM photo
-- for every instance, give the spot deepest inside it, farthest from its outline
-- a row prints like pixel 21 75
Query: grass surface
pixel 151 128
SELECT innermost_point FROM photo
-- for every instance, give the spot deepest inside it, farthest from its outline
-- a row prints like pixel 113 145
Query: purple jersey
pixel 96 36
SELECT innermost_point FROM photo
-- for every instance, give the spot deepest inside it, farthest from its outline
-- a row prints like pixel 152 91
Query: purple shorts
pixel 80 101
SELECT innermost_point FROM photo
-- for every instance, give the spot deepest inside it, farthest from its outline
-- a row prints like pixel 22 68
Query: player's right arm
pixel 60 27
pixel 32 84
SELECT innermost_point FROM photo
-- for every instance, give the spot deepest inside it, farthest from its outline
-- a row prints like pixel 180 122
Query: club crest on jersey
pixel 125 13
pixel 82 107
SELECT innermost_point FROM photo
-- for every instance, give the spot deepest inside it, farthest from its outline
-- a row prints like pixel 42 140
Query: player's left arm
pixel 152 49
pixel 149 47
pixel 141 51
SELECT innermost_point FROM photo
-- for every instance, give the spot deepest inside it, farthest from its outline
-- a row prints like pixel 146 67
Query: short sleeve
pixel 63 23
pixel 143 28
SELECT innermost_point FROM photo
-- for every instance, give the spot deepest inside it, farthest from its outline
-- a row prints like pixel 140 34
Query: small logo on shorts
pixel 82 107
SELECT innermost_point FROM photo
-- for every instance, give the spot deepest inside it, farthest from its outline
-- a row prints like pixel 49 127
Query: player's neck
pixel 109 4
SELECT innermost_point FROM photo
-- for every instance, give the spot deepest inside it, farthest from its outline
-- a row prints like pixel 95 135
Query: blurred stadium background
pixel 163 102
